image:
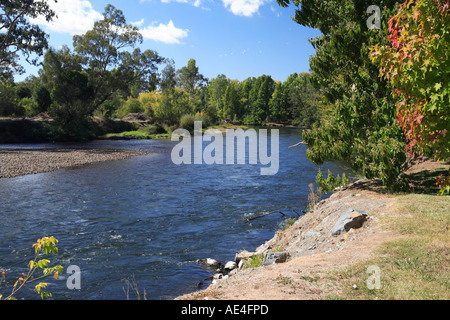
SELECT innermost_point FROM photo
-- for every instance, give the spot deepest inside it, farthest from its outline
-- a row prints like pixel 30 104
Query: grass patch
pixel 417 266
pixel 284 225
pixel 228 126
pixel 254 261
pixel 137 135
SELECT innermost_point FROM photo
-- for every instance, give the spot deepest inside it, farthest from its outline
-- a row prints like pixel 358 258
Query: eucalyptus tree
pixel 190 78
pixel 19 35
pixel 107 59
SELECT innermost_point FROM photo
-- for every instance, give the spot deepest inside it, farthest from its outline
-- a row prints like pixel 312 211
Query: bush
pixel 30 106
pixel 332 182
pixel 132 105
pixel 201 116
pixel 187 122
pixel 153 129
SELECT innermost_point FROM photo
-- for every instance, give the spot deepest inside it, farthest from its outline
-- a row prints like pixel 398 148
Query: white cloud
pixel 73 16
pixel 167 1
pixel 243 7
pixel 138 23
pixel 195 3
pixel 166 33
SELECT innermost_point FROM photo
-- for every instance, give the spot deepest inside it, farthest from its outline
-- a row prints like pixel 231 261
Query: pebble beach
pixel 16 162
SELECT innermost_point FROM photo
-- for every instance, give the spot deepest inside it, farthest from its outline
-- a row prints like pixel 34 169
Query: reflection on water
pixel 146 217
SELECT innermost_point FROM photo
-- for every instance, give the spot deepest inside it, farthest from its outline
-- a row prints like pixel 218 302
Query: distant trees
pixel 108 75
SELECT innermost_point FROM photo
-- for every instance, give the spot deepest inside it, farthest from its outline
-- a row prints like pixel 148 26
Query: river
pixel 146 219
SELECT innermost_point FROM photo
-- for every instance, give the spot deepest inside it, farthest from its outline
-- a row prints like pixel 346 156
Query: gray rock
pixel 348 220
pixel 274 257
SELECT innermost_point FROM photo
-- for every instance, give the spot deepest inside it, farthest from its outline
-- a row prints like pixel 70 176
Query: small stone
pixel 230 265
pixel 212 263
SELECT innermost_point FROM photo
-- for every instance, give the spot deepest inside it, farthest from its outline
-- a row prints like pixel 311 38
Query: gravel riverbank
pixel 21 162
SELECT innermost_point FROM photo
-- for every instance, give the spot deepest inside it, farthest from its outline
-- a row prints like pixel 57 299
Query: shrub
pixel 332 182
pixel 201 116
pixel 45 246
pixel 187 122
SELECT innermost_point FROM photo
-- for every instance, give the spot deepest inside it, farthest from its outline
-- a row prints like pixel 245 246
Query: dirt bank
pixel 17 162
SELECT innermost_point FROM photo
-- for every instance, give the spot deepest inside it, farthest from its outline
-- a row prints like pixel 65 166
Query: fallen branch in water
pixel 297 144
pixel 265 214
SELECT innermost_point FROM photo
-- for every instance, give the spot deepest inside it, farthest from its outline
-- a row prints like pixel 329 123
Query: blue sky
pixel 238 38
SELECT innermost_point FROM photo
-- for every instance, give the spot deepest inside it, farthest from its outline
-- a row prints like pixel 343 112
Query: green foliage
pixel 189 77
pixel 331 182
pixel 131 105
pixel 187 122
pixel 30 106
pixel 359 123
pixel 254 261
pixel 284 225
pixel 72 106
pixel 19 35
pixel 45 245
pixel 8 100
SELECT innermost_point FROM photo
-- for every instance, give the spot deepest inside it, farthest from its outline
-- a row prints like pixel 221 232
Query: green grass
pixel 417 265
pixel 254 261
pixel 284 225
pixel 138 135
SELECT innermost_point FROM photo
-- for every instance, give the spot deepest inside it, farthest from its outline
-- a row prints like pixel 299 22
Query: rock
pixel 274 257
pixel 217 276
pixel 230 265
pixel 348 220
pixel 243 255
pixel 209 262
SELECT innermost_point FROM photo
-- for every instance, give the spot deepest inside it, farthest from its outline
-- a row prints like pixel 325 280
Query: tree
pixel 19 35
pixel 359 124
pixel 217 87
pixel 139 70
pixel 109 64
pixel 71 92
pixel 230 103
pixel 303 100
pixel 278 104
pixel 167 84
pixel 259 97
pixel 416 63
pixel 189 77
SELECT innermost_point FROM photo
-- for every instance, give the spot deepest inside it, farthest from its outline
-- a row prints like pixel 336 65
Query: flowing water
pixel 146 219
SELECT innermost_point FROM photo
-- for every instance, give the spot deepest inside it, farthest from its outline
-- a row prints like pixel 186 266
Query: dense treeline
pixel 107 75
